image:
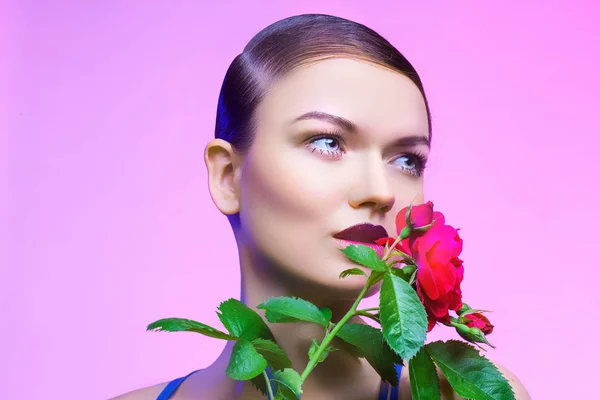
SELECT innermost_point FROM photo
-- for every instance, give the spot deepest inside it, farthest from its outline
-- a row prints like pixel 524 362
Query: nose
pixel 372 188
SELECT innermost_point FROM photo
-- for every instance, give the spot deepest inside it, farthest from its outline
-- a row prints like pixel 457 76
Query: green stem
pixel 405 256
pixel 329 336
pixel 369 309
pixel 368 315
pixel 392 248
pixel 271 395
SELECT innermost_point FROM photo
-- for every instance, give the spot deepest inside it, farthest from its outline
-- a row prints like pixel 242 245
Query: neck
pixel 261 281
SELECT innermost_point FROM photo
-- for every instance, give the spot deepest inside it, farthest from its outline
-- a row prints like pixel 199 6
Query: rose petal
pixel 430 323
pixel 445 247
pixel 439 218
pixel 438 308
pixel 445 277
pixel 426 278
pixel 384 241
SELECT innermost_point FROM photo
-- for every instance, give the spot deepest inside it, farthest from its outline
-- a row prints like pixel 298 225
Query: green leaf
pixel 375 277
pixel 273 316
pixel 292 309
pixel 471 375
pixel 260 384
pixel 367 341
pixel 243 322
pixel 365 256
pixel 187 325
pixel 288 383
pixel 403 317
pixel 275 356
pixel 326 313
pixel 245 362
pixel 405 272
pixel 315 346
pixel 284 393
pixel 424 381
pixel 352 271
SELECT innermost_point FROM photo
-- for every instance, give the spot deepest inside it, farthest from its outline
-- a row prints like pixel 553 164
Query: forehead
pixel 372 96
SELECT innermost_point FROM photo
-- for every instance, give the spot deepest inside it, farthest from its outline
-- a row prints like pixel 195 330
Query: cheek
pixel 287 208
pixel 286 200
pixel 407 191
pixel 289 183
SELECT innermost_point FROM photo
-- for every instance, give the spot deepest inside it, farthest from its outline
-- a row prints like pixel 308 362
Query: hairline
pixel 268 83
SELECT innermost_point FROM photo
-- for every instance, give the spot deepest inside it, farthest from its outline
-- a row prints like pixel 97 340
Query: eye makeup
pixel 419 160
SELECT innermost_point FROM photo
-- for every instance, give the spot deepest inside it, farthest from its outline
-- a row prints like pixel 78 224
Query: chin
pixel 316 277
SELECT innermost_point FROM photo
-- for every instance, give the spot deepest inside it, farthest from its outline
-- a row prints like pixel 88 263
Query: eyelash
pixel 419 158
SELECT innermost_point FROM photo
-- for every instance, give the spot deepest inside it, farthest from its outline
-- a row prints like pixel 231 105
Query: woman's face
pixel 301 183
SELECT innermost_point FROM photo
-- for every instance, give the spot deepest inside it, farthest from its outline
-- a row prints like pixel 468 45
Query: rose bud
pixel 477 320
pixel 473 335
pixel 414 217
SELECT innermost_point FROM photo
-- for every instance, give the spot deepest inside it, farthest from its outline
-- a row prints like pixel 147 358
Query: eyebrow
pixel 351 127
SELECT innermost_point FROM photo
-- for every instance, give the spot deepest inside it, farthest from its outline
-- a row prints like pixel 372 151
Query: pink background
pixel 111 225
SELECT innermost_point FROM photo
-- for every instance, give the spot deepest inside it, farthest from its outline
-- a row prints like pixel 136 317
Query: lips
pixel 362 233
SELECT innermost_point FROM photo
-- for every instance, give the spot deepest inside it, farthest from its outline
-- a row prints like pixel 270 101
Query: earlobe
pixel 221 165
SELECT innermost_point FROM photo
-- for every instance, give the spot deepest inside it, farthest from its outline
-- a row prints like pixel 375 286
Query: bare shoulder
pixel 515 383
pixel 147 393
pixel 448 393
pixel 205 384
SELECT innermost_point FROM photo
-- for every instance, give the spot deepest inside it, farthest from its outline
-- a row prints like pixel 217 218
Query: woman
pixel 321 125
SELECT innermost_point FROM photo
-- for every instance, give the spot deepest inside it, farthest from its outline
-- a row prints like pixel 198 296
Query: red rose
pixel 477 320
pixel 440 271
pixel 436 252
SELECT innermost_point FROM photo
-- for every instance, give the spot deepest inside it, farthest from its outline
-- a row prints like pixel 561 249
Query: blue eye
pixel 330 144
pixel 414 163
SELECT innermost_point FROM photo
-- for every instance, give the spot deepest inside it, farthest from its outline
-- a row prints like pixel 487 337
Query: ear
pixel 222 163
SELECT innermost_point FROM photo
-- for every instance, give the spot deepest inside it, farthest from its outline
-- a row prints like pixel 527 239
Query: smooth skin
pixel 294 190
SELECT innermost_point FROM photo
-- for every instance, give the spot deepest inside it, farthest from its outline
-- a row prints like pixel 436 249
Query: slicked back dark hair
pixel 286 45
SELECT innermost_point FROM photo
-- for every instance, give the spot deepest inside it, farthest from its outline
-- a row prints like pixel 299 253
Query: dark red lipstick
pixel 362 233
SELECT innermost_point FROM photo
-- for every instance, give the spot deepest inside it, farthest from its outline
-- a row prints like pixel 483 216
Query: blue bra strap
pixel 389 392
pixel 172 386
pixel 394 389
